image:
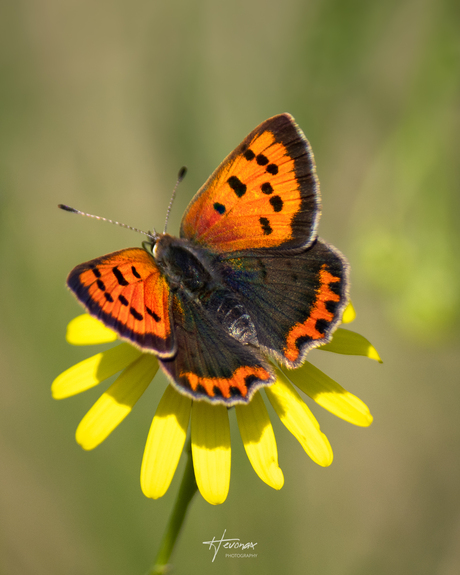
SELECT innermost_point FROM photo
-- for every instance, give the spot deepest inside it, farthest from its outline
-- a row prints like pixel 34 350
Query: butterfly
pixel 247 281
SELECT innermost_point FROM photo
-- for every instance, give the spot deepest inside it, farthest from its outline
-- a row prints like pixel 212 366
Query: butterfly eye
pixel 149 246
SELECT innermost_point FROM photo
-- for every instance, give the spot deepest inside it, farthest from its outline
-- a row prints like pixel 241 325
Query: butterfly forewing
pixel 128 293
pixel 265 194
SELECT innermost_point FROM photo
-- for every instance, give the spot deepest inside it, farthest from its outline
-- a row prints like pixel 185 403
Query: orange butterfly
pixel 247 279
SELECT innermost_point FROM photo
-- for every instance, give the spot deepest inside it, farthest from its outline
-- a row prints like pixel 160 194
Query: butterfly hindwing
pixel 265 194
pixel 210 364
pixel 296 301
pixel 128 293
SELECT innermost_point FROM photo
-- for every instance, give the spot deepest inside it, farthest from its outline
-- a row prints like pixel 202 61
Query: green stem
pixel 187 490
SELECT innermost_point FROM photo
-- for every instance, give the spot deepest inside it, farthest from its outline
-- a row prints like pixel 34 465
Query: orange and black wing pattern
pixel 296 302
pixel 210 364
pixel 265 194
pixel 127 292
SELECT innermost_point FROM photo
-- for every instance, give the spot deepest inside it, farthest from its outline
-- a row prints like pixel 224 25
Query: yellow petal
pixel 330 395
pixel 211 450
pixel 349 313
pixel 300 421
pixel 165 443
pixel 87 330
pixel 259 441
pixel 93 370
pixel 115 404
pixel 351 343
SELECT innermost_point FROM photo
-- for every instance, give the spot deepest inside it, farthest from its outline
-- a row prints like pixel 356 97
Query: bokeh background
pixel 100 105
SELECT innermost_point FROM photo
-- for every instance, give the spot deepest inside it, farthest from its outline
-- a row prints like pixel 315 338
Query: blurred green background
pixel 100 105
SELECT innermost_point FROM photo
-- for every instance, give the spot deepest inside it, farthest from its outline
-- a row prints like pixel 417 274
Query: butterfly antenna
pixel 180 177
pixel 74 211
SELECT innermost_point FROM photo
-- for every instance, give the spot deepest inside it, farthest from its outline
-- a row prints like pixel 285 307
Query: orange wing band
pixel 238 380
pixel 317 312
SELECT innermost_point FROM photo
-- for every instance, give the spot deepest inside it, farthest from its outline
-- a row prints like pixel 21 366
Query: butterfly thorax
pixel 192 272
pixel 185 270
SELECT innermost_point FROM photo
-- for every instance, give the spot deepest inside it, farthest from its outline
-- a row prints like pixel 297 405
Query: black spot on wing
pixel 248 380
pixel 266 228
pixel 331 306
pixel 262 160
pixel 322 325
pixel 237 186
pixel 120 277
pixel 272 169
pixel 136 314
pixel 220 208
pixel 155 316
pixel 277 203
pixel 336 288
pixel 249 155
pixel 101 285
pixel 267 188
pixel 235 391
pixel 123 300
pixel 135 272
pixel 199 389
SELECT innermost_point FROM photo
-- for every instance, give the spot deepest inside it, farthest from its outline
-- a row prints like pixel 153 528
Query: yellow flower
pixel 210 430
